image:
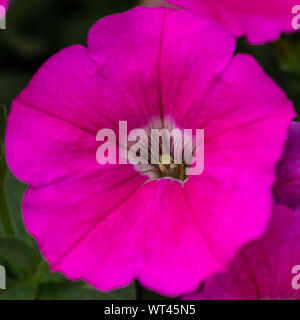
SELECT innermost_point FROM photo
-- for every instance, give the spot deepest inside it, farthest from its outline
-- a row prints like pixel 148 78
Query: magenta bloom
pixel 264 269
pixel 4 3
pixel 3 8
pixel 105 224
pixel 259 20
pixel 287 187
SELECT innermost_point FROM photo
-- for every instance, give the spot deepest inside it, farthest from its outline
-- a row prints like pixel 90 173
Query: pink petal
pixel 263 268
pixel 148 232
pixel 287 187
pixel 69 99
pixel 259 20
pixel 51 127
pixel 166 71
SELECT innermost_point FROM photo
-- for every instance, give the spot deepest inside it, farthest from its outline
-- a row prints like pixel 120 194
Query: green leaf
pixel 17 252
pixel 22 292
pixel 43 275
pixel 80 291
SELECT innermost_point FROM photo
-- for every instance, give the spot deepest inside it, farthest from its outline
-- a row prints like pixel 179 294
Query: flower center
pixel 164 152
pixel 167 168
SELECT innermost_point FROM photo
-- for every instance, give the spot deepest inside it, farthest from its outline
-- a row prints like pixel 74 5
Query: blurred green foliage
pixel 35 30
pixel 281 60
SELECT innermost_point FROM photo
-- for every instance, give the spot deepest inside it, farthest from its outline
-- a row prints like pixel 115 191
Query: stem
pixel 4 211
pixel 139 291
pixel 5 216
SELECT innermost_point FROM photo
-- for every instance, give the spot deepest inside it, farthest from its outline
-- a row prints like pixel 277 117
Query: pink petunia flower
pixel 109 224
pixel 287 186
pixel 259 20
pixel 267 268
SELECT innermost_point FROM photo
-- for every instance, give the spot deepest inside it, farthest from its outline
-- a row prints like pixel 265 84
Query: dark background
pixel 36 29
